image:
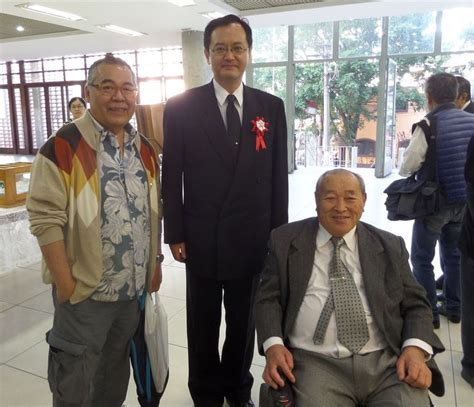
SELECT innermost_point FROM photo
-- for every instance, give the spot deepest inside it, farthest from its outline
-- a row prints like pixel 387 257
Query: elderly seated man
pixel 339 313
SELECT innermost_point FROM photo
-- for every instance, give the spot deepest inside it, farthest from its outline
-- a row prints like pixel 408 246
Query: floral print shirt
pixel 125 219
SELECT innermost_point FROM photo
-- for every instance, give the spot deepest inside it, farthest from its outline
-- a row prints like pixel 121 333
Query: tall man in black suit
pixel 225 186
pixel 463 100
pixel 306 326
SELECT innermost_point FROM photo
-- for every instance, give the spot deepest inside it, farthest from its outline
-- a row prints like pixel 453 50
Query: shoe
pixel 436 323
pixel 233 403
pixel 467 378
pixel 440 282
pixel 452 317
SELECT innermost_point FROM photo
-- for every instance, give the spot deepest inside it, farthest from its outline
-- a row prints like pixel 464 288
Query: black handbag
pixel 411 198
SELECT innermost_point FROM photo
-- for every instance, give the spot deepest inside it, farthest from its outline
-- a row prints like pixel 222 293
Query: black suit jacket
pixel 397 302
pixel 469 108
pixel 223 207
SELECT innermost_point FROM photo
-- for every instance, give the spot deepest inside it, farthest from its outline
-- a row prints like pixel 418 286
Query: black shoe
pixel 436 323
pixel 452 317
pixel 440 282
pixel 467 378
pixel 233 403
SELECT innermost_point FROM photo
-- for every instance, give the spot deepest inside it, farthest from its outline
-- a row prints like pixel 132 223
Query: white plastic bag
pixel 156 339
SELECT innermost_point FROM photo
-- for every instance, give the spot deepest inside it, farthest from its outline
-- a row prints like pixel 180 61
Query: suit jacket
pixel 466 241
pixel 221 205
pixel 470 107
pixel 398 303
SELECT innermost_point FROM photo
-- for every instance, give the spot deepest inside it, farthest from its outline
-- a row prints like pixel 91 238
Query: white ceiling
pixel 163 22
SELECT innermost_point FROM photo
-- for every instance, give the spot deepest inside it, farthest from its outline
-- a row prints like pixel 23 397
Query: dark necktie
pixel 233 120
pixel 344 299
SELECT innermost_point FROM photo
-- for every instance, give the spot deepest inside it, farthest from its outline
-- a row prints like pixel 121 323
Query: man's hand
pixel 156 279
pixel 412 368
pixel 179 251
pixel 278 357
pixel 65 289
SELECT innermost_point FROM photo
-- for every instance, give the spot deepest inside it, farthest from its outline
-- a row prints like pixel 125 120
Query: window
pixel 270 44
pixel 411 34
pixel 458 29
pixel 313 41
pixel 43 87
pixel 360 38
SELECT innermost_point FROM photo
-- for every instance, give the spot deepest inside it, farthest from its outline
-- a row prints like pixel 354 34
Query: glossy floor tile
pixel 26 314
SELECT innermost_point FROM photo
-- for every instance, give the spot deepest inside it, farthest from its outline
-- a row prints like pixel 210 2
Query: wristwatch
pixel 160 258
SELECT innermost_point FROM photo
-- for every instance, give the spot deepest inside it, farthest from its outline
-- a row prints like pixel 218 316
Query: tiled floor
pixel 26 313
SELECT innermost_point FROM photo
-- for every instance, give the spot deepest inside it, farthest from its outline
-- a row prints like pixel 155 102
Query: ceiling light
pixel 212 15
pixel 49 11
pixel 182 3
pixel 20 28
pixel 119 30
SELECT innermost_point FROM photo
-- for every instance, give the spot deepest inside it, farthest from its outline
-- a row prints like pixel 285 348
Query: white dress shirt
pixel 221 95
pixel 415 154
pixel 301 336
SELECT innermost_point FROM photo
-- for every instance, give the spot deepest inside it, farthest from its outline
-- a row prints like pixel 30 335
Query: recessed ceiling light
pixel 182 3
pixel 120 30
pixel 49 11
pixel 212 15
pixel 20 28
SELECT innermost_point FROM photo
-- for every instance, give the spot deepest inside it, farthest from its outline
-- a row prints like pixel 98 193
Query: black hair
pixel 222 22
pixel 442 87
pixel 74 99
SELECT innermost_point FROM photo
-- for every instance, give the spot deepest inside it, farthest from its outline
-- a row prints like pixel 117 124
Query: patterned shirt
pixel 125 218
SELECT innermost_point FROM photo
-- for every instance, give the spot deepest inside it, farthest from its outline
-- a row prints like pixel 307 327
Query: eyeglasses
pixel 111 90
pixel 236 50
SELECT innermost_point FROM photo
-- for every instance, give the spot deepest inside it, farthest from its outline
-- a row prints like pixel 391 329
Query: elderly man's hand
pixel 412 368
pixel 278 357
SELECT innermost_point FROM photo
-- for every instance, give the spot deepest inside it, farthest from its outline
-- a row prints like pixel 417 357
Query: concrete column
pixel 196 70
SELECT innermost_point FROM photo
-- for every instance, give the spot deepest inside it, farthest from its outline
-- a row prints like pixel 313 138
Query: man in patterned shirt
pixel 94 208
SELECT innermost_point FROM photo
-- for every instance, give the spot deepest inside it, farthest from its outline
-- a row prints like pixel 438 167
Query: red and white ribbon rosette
pixel 260 127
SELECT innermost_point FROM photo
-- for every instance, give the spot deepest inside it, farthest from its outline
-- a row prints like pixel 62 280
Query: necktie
pixel 345 300
pixel 233 120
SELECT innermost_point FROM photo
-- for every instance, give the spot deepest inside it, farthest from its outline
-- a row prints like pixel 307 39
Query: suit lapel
pixel 251 109
pixel 214 127
pixel 373 267
pixel 300 268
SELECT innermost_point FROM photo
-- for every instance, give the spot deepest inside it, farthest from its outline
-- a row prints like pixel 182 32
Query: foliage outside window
pixel 270 44
pixel 359 38
pixel 313 41
pixel 458 29
pixel 411 34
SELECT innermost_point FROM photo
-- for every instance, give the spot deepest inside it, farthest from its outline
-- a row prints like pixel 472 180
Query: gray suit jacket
pixel 398 303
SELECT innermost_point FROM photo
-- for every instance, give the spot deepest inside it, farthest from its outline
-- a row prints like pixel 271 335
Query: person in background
pixel 225 186
pixel 77 107
pixel 339 313
pixel 94 208
pixel 467 272
pixel 452 129
pixel 463 100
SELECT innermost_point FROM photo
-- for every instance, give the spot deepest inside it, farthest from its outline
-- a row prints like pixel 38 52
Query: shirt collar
pixel 323 237
pixel 466 105
pixel 221 93
pixel 130 131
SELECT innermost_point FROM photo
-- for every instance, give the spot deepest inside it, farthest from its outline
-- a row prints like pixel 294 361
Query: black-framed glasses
pixel 221 50
pixel 110 89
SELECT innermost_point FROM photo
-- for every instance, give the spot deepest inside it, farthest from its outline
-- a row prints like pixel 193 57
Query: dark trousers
pixel 445 227
pixel 212 376
pixel 467 314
